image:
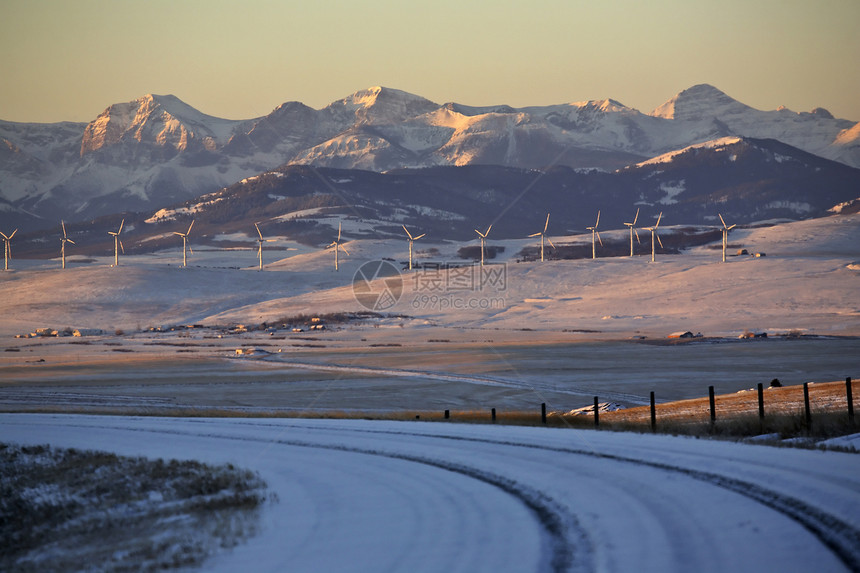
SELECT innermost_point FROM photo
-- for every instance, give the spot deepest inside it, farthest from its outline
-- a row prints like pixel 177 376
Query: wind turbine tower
pixel 542 235
pixel 633 230
pixel 725 235
pixel 411 240
pixel 184 243
pixel 8 247
pixel 63 242
pixel 593 234
pixel 260 242
pixel 117 244
pixel 483 237
pixel 337 245
pixel 654 235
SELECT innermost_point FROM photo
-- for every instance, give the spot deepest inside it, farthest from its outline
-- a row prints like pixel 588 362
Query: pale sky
pixel 70 59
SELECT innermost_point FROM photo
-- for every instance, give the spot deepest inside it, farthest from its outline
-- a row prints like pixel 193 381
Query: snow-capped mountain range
pixel 745 180
pixel 158 150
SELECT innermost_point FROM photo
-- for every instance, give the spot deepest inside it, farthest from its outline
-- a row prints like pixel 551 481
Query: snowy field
pixel 364 495
pixel 806 283
pixel 394 496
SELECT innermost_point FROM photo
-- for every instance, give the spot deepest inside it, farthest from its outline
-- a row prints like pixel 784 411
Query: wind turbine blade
pixel 4 236
pixel 70 241
pixel 598 219
pixel 121 247
pixel 334 244
pixel 419 236
pixel 485 234
pixel 550 242
pixel 63 223
pixel 188 232
pixel 721 219
pixel 536 235
pixel 408 234
pixel 344 249
pixel 636 218
pixel 13 233
pixel 637 236
pixel 121 223
pixel 180 234
pixel 546 225
pixel 660 216
pixel 258 231
pixel 190 250
pixel 732 227
pixel 658 240
pixel 338 230
pixel 598 238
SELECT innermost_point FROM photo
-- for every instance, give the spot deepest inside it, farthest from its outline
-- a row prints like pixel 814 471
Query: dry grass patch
pixel 738 414
pixel 66 509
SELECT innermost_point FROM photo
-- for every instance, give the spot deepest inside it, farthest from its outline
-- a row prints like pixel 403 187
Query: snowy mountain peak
pixel 610 106
pixel 595 105
pixel 178 108
pixel 699 102
pixel 162 120
pixel 379 104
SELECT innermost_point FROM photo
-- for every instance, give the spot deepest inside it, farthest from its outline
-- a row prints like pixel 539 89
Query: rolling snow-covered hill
pixel 158 150
pixel 807 282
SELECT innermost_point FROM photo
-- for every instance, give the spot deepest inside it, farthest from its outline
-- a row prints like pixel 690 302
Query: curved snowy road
pixel 393 496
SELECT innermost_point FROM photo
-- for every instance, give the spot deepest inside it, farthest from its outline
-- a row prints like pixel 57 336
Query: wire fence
pixel 811 408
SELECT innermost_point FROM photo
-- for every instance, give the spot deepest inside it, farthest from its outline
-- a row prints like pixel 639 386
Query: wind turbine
pixel 8 249
pixel 117 244
pixel 633 230
pixel 411 240
pixel 184 242
pixel 483 238
pixel 593 234
pixel 337 245
pixel 542 234
pixel 654 235
pixel 260 242
pixel 725 235
pixel 63 242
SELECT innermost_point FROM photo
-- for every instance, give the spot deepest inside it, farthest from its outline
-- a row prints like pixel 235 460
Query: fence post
pixel 713 406
pixel 653 413
pixel 806 406
pixel 850 400
pixel 596 414
pixel 761 406
pixel 447 414
pixel 494 415
pixel 543 413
